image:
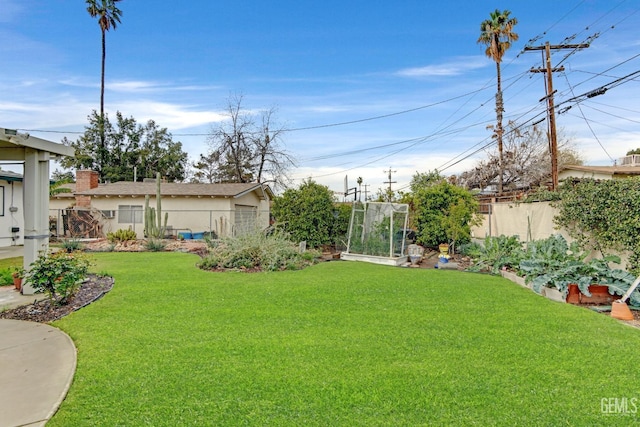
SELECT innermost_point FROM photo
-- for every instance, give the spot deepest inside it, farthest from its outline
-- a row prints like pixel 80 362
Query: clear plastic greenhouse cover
pixel 378 229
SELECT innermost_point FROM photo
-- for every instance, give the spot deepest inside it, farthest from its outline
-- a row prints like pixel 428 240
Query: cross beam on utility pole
pixel 366 192
pixel 390 182
pixel 549 70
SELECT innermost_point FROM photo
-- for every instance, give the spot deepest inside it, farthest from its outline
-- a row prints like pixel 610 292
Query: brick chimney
pixel 85 180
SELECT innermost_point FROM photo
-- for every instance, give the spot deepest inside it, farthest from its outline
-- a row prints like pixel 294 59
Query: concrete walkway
pixel 37 363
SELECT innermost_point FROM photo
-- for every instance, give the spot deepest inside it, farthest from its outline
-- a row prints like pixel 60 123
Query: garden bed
pixel 45 311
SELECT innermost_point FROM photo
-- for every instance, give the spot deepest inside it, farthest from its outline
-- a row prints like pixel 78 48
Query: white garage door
pixel 245 219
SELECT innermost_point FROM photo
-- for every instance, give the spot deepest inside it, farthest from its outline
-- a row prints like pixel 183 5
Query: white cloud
pixel 455 67
pixel 135 86
pixel 171 116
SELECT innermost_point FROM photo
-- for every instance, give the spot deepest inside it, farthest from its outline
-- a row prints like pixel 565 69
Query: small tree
pixel 306 213
pixel 525 162
pixel 458 221
pixel 442 211
pixel 245 148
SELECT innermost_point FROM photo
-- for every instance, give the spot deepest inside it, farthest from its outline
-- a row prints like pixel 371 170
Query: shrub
pixel 155 245
pixel 257 251
pixel 58 274
pixel 71 245
pixel 602 215
pixel 122 235
pixel 495 253
pixel 6 277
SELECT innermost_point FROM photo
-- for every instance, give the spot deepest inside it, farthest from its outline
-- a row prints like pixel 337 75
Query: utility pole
pixel 366 192
pixel 389 182
pixel 549 70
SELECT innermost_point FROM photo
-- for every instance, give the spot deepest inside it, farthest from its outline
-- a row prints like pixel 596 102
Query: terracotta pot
pixel 573 297
pixel 17 282
pixel 620 310
pixel 599 295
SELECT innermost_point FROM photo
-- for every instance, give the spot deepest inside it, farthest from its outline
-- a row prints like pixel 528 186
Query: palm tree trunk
pixel 101 148
pixel 499 111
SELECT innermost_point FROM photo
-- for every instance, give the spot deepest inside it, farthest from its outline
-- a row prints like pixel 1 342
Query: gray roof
pixel 125 188
pixel 10 176
pixel 613 170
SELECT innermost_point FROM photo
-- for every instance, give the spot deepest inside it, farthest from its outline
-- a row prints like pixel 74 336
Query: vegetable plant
pixel 496 253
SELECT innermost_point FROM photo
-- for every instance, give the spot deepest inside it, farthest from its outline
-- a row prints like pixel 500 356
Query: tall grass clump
pixel 267 252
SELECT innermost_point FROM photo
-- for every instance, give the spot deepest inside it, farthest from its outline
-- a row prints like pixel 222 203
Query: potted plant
pixel 18 275
pixel 577 281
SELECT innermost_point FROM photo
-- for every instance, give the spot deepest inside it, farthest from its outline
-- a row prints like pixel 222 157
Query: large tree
pixel 245 148
pixel 108 16
pixel 129 147
pixel 497 34
pixel 525 164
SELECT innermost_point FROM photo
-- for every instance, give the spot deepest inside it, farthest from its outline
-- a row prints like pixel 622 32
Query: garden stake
pixel 620 309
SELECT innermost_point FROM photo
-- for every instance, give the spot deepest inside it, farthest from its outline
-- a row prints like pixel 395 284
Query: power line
pixel 589 124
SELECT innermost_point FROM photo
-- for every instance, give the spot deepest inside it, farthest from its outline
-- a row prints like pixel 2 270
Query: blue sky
pixel 325 63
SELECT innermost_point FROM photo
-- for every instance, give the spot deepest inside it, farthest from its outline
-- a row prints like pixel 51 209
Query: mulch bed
pixel 45 311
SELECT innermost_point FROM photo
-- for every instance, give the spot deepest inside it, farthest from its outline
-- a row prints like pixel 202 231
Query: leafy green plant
pixel 550 254
pixel 496 253
pixel 121 235
pixel 597 215
pixel 585 274
pixel 59 274
pixel 6 277
pixel 340 229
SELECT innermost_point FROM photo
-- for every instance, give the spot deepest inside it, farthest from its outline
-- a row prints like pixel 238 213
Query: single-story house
pixel 628 166
pixel 11 209
pixel 92 209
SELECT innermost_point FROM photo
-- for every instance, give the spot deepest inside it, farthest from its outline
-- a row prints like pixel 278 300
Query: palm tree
pixel 108 17
pixel 497 34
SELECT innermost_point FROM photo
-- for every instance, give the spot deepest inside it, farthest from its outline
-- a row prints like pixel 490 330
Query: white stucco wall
pixel 186 214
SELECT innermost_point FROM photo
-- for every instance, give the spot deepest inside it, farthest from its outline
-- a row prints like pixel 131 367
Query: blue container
pixel 186 235
pixel 198 236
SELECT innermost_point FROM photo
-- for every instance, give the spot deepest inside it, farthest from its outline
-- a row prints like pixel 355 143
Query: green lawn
pixel 338 344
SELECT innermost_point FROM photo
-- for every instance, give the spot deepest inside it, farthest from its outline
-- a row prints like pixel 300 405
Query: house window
pixel 130 214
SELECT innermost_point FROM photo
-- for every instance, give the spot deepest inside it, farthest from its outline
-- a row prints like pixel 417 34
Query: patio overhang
pixel 36 154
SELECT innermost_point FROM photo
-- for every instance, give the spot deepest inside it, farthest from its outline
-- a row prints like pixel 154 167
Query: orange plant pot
pixel 599 295
pixel 620 310
pixel 573 297
pixel 17 282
